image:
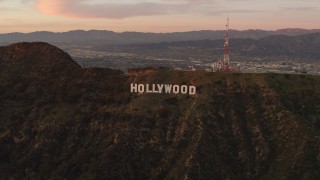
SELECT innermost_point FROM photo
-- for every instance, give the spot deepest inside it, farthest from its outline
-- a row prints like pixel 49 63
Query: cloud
pixel 83 9
pixel 304 9
pixel 124 9
pixel 190 1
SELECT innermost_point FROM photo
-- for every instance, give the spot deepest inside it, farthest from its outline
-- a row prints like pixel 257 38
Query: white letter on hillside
pixel 192 90
pixel 133 88
pixel 176 89
pixel 154 89
pixel 160 87
pixel 141 88
pixel 148 89
pixel 184 89
pixel 167 88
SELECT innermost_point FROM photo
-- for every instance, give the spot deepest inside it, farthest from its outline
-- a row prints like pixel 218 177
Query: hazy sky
pixel 156 15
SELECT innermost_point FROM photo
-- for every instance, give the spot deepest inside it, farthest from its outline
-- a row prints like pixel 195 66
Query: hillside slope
pixel 60 121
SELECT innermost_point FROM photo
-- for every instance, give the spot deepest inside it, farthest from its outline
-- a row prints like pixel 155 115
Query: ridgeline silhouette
pixel 60 121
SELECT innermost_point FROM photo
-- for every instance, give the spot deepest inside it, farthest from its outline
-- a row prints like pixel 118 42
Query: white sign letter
pixel 141 88
pixel 176 89
pixel 154 89
pixel 148 88
pixel 167 88
pixel 192 90
pixel 184 89
pixel 160 87
pixel 133 88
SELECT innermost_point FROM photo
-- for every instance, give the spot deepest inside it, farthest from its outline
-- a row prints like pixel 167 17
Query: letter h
pixel 134 88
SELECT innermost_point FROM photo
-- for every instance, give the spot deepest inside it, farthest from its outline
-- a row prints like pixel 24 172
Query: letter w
pixel 167 88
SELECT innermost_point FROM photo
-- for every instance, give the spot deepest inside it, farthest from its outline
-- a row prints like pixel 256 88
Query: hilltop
pixel 58 121
pixel 35 58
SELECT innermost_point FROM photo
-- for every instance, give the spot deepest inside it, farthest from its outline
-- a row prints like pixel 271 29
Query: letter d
pixel 192 90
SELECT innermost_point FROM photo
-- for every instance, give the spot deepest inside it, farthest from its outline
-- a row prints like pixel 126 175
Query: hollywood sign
pixel 163 88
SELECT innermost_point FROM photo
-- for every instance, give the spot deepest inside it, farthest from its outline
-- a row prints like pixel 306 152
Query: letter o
pixel 184 89
pixel 176 89
pixel 141 88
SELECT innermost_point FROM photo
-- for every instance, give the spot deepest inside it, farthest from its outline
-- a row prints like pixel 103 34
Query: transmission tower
pixel 226 57
pixel 224 64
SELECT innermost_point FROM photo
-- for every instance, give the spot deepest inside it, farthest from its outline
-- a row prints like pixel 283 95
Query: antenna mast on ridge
pixel 226 57
pixel 224 64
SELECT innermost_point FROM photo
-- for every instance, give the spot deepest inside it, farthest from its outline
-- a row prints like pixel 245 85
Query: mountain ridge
pixel 79 123
pixel 113 38
pixel 301 46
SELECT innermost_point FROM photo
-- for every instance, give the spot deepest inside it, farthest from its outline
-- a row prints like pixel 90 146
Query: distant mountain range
pixel 96 37
pixel 297 43
pixel 305 46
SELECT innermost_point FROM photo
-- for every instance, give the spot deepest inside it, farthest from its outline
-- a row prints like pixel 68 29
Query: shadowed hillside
pixel 60 121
